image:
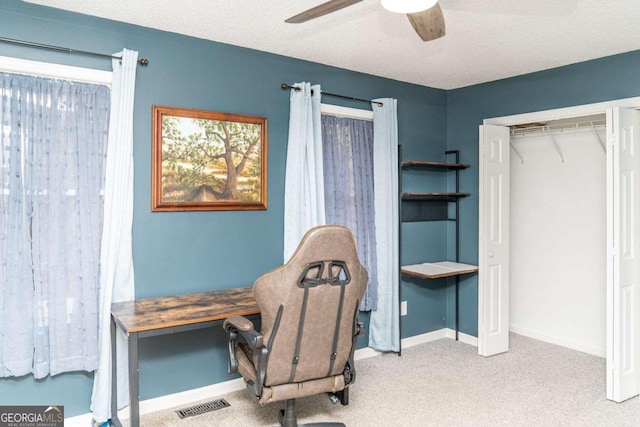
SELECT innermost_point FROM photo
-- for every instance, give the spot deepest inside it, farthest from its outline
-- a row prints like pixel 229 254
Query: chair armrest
pixel 245 330
pixel 240 329
pixel 238 322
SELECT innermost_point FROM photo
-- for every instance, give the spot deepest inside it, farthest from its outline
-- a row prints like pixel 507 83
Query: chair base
pixel 288 417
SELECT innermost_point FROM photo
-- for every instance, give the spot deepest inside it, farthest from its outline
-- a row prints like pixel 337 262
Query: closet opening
pixel 557 233
pixel 573 224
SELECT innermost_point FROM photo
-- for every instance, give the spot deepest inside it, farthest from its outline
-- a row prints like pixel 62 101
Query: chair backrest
pixel 309 307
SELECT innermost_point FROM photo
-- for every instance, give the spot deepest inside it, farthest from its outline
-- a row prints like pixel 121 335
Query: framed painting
pixel 205 161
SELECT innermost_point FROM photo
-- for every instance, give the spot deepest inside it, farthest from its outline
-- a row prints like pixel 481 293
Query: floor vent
pixel 202 408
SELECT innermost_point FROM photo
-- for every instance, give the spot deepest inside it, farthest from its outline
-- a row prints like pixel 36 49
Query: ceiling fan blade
pixel 429 24
pixel 320 10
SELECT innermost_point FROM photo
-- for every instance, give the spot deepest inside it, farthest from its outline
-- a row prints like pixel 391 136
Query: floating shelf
pixel 437 270
pixel 436 165
pixel 428 206
pixel 435 197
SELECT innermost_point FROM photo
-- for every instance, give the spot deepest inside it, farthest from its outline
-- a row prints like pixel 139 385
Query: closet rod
pixel 545 128
pixel 297 89
pixel 142 61
pixel 550 129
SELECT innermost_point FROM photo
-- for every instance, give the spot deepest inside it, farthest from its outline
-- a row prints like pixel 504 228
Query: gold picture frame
pixel 207 161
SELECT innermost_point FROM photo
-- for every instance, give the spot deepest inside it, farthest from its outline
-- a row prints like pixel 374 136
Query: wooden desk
pixel 166 315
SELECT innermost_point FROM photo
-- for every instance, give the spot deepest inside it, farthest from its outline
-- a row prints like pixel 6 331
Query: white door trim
pixel 563 113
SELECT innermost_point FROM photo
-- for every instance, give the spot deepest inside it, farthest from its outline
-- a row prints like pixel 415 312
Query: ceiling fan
pixel 425 15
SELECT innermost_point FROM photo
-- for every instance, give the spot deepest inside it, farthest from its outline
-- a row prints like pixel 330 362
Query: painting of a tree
pixel 208 161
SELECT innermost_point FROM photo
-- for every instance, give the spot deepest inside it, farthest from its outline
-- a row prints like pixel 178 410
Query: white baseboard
pixel 436 335
pixel 561 341
pixel 168 401
pixel 367 352
pixel 190 396
pixel 462 337
pixel 364 353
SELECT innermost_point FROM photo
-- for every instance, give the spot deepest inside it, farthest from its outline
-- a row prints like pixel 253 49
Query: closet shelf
pixel 437 270
pixel 435 165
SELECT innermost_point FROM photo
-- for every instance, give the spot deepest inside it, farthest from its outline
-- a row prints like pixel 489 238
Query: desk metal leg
pixel 114 377
pixel 457 306
pixel 134 395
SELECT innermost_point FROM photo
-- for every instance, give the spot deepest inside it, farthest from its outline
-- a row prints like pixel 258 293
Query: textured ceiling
pixel 486 39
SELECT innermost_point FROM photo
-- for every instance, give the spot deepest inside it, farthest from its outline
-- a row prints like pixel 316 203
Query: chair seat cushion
pixel 307 388
pixel 285 391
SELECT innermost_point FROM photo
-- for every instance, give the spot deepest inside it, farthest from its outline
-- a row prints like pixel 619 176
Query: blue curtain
pixel 53 138
pixel 116 251
pixel 384 327
pixel 304 184
pixel 347 150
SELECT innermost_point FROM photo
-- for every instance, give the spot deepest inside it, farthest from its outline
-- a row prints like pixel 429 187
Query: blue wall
pixel 178 253
pixel 609 78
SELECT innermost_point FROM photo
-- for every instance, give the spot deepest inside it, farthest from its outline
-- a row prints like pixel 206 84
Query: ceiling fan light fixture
pixel 407 6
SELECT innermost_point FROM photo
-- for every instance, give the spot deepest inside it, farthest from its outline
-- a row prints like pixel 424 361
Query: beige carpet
pixel 446 383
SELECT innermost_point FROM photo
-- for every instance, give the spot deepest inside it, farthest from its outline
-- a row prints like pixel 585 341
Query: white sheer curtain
pixel 384 328
pixel 304 182
pixel 53 137
pixel 116 259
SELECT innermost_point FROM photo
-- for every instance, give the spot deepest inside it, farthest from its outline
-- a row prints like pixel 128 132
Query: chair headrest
pixel 325 243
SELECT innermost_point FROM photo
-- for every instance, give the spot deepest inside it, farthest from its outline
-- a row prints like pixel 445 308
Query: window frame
pixel 352 113
pixel 56 71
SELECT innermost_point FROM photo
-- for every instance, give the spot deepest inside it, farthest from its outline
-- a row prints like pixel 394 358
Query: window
pixel 53 139
pixel 347 145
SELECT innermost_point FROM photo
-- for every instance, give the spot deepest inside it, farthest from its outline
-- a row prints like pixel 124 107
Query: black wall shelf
pixel 435 206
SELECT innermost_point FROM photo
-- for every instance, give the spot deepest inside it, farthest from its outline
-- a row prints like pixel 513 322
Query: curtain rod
pixel 142 61
pixel 297 89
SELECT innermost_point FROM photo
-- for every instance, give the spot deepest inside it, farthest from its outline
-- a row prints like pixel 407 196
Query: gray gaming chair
pixel 309 311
